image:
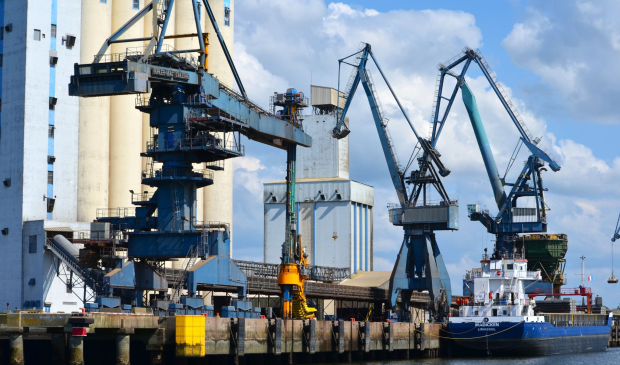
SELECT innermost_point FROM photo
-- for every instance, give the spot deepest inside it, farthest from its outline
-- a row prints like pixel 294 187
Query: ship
pixel 499 318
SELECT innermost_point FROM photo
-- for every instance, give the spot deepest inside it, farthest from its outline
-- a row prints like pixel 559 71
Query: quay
pixel 142 338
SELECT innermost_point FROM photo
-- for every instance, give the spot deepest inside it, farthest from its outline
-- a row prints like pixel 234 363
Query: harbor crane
pixel 420 265
pixel 613 279
pixel 511 219
pixel 194 119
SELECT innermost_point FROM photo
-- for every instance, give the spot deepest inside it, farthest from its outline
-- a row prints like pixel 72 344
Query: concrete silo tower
pixel 218 198
pixel 125 119
pixel 94 124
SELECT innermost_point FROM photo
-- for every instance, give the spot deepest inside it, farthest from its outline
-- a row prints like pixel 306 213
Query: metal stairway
pixel 73 275
pixel 181 277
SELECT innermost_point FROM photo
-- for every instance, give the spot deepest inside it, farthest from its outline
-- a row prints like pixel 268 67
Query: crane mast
pixel 419 265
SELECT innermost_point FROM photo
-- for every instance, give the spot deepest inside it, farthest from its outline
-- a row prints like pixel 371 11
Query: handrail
pixel 71 264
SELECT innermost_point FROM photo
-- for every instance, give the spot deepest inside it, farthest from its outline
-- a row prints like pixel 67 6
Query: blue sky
pixel 555 58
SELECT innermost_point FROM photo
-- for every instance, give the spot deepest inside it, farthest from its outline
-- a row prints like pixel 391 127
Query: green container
pixel 546 252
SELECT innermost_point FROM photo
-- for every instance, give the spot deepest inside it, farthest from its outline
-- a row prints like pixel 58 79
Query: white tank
pixel 94 125
pixel 125 120
pixel 218 198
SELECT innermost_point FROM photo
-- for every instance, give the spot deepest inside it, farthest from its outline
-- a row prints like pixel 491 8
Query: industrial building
pixel 335 213
pixel 63 157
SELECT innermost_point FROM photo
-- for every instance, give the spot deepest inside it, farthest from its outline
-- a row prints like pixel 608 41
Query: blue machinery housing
pixel 194 119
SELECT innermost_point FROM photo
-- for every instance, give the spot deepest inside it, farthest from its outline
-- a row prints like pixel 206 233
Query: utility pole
pixel 583 273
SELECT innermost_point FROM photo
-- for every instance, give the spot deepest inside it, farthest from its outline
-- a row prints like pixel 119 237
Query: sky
pixel 555 59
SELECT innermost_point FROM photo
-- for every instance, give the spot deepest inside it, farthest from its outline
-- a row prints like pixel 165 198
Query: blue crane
pixel 194 119
pixel 419 265
pixel 613 279
pixel 512 219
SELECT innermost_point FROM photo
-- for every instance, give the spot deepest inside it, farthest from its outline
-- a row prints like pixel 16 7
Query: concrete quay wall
pixel 123 338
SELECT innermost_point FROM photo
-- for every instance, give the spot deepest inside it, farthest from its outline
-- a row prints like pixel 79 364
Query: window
pixel 53 31
pixel 103 1
pixel 37 34
pixel 50 131
pixel 50 177
pixel 136 4
pixel 32 243
pixel 1 33
pixel 510 266
pixel 227 16
pixel 1 59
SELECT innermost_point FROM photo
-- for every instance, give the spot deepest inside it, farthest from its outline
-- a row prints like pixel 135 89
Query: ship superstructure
pixel 499 318
pixel 499 291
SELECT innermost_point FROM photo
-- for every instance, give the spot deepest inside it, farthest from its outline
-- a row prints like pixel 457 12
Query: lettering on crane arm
pixel 168 73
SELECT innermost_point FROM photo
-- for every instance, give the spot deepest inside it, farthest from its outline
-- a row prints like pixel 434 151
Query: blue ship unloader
pixel 499 320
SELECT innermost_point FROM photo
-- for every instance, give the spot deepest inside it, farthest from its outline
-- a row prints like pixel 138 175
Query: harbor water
pixel 611 356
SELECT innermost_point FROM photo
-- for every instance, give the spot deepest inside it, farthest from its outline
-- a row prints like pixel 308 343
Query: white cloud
pixel 280 47
pixel 571 46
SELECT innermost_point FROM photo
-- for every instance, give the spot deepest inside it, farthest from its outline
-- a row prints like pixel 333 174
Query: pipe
pixel 367 238
pixel 66 247
pixel 355 238
pixel 314 234
pixel 483 143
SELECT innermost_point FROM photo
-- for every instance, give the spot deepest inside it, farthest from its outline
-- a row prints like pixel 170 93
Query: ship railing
pixel 576 319
pixel 476 274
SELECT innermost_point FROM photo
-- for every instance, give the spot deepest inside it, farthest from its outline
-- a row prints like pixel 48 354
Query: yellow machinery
pixel 293 267
pixel 291 279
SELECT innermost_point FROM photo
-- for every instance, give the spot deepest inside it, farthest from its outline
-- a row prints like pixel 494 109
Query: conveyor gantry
pixel 129 76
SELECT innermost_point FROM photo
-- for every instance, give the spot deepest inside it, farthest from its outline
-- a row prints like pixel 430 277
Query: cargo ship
pixel 499 319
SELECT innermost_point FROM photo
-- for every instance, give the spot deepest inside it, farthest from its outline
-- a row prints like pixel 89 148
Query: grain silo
pixel 125 119
pixel 94 122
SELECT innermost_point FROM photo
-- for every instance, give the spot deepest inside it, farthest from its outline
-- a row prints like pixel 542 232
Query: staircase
pixel 181 277
pixel 77 276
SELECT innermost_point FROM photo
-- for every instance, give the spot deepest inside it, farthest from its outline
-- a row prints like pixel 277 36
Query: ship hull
pixel 526 339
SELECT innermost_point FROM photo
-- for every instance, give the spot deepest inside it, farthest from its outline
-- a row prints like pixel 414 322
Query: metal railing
pixel 116 212
pixel 73 275
pixel 141 197
pixel 176 173
pixel 136 53
pixel 576 320
pixel 317 273
pixel 227 143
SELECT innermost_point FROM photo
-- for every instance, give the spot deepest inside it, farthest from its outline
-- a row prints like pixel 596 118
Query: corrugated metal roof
pixel 369 279
pixel 58 229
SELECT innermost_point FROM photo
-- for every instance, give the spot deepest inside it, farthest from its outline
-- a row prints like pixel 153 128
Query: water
pixel 611 356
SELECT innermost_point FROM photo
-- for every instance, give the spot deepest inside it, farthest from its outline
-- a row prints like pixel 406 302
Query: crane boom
pixel 419 265
pixel 511 219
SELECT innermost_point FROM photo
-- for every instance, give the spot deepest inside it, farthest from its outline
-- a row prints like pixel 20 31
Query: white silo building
pixel 62 157
pixel 335 214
